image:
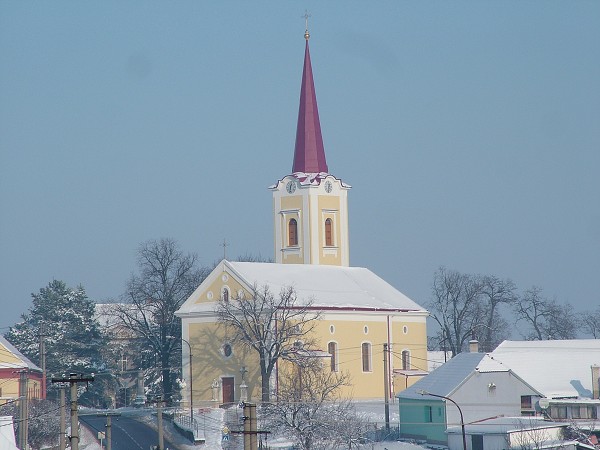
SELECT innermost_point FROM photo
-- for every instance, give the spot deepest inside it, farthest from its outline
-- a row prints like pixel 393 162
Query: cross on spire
pixel 306 33
pixel 224 245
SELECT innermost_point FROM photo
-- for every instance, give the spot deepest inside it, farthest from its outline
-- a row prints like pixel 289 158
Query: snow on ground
pixel 212 420
pixel 87 440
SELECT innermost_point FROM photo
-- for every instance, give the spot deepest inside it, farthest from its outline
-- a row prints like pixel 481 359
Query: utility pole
pixel 161 442
pixel 63 426
pixel 386 387
pixel 73 380
pixel 43 357
pixel 250 430
pixel 23 410
pixel 108 433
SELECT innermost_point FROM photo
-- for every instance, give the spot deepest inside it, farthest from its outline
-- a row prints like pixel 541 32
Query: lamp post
pixel 191 382
pixel 462 421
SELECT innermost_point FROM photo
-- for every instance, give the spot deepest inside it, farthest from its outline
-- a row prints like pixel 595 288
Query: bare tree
pixel 530 436
pixel 310 410
pixel 590 322
pixel 456 307
pixel 251 257
pixel 495 292
pixel 166 278
pixel 268 324
pixel 546 318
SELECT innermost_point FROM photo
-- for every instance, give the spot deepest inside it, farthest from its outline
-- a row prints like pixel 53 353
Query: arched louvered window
pixel 328 232
pixel 332 349
pixel 366 357
pixel 292 233
pixel 225 295
pixel 405 360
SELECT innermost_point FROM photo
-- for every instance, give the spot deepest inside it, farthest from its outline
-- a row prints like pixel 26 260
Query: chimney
pixel 595 380
pixel 474 346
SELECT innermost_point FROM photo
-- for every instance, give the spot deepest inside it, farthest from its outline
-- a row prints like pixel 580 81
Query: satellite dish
pixel 544 403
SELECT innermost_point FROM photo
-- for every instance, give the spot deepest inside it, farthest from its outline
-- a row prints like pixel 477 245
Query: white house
pixel 482 388
pixel 565 372
pixel 513 432
pixel 555 379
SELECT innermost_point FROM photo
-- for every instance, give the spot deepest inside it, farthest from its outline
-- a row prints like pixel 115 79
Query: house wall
pixel 490 441
pixel 416 421
pixel 530 438
pixel 9 385
pixel 534 437
pixel 480 401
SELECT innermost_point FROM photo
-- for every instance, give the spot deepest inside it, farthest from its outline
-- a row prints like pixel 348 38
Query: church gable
pixel 222 282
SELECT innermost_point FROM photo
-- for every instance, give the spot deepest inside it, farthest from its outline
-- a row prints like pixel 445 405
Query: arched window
pixel 328 232
pixel 366 357
pixel 225 295
pixel 332 349
pixel 405 360
pixel 293 233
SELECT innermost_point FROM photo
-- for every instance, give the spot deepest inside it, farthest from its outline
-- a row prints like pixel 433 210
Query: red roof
pixel 309 155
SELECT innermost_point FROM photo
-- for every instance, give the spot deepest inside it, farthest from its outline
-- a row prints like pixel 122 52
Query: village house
pixel 519 378
pixel 17 372
pixel 503 433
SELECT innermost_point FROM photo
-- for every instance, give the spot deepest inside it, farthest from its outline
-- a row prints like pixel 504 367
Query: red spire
pixel 309 154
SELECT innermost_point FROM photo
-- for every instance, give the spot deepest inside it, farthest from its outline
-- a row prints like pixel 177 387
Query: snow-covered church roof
pixel 327 287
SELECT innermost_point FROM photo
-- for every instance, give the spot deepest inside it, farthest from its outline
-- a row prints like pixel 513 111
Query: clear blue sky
pixel 475 124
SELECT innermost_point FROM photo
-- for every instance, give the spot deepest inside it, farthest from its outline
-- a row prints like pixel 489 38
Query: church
pixel 359 312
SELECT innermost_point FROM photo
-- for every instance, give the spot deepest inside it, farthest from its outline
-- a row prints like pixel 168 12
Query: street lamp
pixel 462 421
pixel 191 382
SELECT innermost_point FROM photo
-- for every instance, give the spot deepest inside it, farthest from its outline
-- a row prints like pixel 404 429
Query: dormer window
pixel 292 233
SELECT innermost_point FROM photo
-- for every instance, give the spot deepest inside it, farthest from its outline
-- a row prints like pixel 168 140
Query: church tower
pixel 310 205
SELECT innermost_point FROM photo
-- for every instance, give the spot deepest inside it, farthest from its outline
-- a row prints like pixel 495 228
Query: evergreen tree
pixel 73 340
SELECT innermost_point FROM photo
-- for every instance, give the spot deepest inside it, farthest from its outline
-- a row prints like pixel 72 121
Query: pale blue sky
pixel 476 124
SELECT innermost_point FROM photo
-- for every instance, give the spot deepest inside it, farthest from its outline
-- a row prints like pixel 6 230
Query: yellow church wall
pixel 210 363
pixel 351 331
pixel 411 336
pixel 214 291
pixel 329 208
pixel 293 206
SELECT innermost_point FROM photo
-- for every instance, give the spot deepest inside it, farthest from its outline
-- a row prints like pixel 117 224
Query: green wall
pixel 423 419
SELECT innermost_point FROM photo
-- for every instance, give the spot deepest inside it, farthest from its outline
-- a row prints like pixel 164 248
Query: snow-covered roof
pixel 446 378
pixel 328 286
pixel 554 368
pixel 17 361
pixel 435 358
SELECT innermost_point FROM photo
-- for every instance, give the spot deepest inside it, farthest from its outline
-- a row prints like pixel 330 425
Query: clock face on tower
pixel 328 187
pixel 290 187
